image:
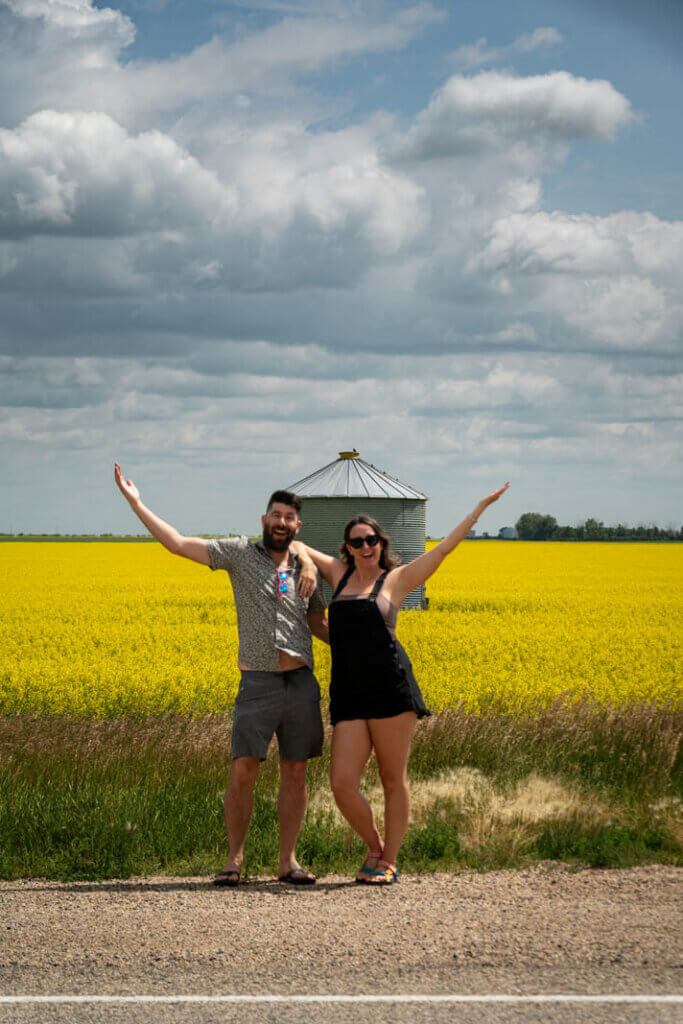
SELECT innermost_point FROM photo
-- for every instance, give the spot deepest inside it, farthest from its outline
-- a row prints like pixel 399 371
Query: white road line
pixel 552 998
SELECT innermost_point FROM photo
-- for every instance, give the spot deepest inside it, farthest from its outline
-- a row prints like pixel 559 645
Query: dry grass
pixel 87 798
pixel 635 748
pixel 513 815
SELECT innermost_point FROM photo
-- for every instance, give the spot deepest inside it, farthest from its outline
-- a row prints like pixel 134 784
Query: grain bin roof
pixel 349 476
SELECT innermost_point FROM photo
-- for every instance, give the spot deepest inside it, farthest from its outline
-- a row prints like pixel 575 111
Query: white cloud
pixel 627 311
pixel 618 279
pixel 492 110
pixel 547 242
pixel 477 54
pixel 225 282
pixel 539 37
pixel 82 174
pixel 48 46
pixel 72 14
pixel 48 59
pixel 335 181
pixel 541 241
pixel 269 226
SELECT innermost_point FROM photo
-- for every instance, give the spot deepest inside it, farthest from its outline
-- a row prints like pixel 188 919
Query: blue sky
pixel 237 238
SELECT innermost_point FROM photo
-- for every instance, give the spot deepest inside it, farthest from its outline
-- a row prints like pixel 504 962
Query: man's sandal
pixel 366 874
pixel 228 877
pixel 298 876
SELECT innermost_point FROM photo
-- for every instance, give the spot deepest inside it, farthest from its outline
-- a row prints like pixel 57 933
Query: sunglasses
pixel 282 587
pixel 372 540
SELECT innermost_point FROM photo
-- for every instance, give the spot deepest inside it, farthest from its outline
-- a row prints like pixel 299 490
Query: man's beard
pixel 278 543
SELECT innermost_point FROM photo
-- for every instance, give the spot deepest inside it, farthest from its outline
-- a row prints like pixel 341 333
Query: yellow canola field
pixel 101 629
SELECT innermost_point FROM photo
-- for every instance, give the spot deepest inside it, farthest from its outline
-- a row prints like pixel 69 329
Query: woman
pixel 374 697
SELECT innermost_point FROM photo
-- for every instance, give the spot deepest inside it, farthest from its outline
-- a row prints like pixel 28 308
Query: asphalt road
pixel 548 930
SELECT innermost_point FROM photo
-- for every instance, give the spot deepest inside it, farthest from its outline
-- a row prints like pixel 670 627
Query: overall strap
pixel 342 582
pixel 378 586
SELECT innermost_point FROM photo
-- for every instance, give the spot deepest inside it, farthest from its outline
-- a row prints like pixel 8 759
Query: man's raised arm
pixel 194 548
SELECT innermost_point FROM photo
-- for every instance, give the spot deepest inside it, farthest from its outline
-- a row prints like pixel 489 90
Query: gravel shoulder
pixel 549 929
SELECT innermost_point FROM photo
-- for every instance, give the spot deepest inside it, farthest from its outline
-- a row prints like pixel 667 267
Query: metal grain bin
pixel 348 486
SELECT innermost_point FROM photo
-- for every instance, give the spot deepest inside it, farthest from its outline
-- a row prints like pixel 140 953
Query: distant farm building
pixel 348 486
pixel 508 533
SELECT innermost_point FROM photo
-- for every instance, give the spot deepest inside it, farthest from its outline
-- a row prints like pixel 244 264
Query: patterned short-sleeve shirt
pixel 267 622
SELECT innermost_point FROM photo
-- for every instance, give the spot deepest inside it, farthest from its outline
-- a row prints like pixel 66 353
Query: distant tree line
pixel 534 526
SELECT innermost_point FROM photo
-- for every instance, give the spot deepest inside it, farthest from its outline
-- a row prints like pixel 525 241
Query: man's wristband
pixel 472 519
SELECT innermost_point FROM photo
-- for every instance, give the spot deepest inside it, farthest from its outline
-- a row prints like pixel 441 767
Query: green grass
pixel 83 799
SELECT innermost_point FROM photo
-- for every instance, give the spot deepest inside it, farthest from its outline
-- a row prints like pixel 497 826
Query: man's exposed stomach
pixel 287 663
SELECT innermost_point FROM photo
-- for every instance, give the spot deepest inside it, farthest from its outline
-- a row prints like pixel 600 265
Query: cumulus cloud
pixel 82 174
pixel 225 267
pixel 50 47
pixel 492 110
pixel 73 14
pixel 268 227
pixel 550 242
pixel 617 278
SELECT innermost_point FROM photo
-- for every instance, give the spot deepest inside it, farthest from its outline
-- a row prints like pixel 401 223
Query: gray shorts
pixel 285 703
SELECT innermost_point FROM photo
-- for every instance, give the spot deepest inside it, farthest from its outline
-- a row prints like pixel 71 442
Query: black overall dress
pixel 371 673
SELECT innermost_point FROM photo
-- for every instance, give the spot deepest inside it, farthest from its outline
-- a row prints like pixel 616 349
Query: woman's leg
pixel 351 748
pixel 391 738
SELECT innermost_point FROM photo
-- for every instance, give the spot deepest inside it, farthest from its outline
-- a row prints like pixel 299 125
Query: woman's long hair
pixel 387 560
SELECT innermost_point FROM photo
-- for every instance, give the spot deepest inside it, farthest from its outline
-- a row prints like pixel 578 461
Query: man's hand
pixel 194 548
pixel 127 487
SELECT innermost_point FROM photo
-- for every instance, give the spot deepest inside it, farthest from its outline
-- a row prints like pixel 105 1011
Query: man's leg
pixel 291 806
pixel 239 802
pixel 257 710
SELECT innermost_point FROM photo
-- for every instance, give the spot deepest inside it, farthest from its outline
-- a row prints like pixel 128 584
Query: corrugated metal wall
pixel 404 520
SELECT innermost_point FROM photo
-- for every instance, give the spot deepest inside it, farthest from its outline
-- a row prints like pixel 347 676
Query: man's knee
pixel 293 774
pixel 244 771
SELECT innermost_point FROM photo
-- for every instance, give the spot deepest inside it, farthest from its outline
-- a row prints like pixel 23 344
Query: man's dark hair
pixel 285 498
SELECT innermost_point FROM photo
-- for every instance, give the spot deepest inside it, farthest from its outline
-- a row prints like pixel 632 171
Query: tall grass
pixel 82 798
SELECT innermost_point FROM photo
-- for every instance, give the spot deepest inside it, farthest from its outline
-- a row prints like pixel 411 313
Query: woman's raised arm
pixel 406 577
pixel 331 569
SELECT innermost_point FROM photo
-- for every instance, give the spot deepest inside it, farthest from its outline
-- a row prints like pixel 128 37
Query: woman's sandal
pixel 389 871
pixel 370 876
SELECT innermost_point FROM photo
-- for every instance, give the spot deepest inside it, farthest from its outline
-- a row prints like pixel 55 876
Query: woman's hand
pixel 307 578
pixel 127 487
pixel 494 496
pixel 406 577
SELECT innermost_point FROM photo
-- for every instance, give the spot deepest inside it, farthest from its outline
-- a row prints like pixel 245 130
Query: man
pixel 278 607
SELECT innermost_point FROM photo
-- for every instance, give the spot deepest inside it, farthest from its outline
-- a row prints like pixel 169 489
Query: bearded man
pixel 279 605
